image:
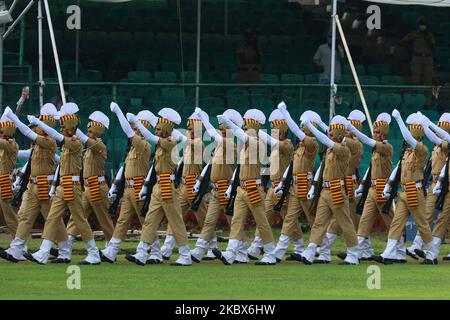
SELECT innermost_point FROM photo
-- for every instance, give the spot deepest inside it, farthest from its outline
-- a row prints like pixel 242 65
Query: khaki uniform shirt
pixel 94 158
pixel 413 163
pixel 220 169
pixel 193 157
pixel 42 159
pixel 382 160
pixel 280 158
pixel 336 162
pixel 136 163
pixel 305 155
pixel 250 160
pixel 356 152
pixel 439 158
pixel 163 156
pixel 8 155
pixel 70 162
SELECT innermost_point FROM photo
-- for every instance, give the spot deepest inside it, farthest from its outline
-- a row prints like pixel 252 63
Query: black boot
pixel 60 260
pixel 5 255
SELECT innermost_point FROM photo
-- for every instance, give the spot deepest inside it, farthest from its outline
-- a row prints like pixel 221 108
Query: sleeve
pixel 421 150
pixel 139 143
pixel 166 144
pixel 383 148
pixel 340 150
pixel 311 144
pixel 320 136
pixel 24 154
pixel 352 145
pixel 6 145
pixel 444 146
pixel 95 145
pixel 432 136
pixel 73 144
pixel 210 129
pixel 45 142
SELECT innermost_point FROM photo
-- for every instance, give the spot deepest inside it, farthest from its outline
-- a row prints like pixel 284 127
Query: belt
pixel 183 179
pixel 373 183
pixel 310 176
pixel 418 186
pixel 101 179
pixel 327 184
pixel 215 185
pixel 49 178
pixel 354 177
pixel 244 184
pixel 423 55
pixel 74 178
pixel 172 177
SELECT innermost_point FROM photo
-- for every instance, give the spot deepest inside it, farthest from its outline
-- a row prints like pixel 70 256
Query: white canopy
pixel 434 3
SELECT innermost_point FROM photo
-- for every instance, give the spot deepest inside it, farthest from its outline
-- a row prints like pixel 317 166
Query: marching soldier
pixel 68 194
pixel 381 168
pixel 8 157
pixel 36 198
pixel 302 171
pixel 222 166
pixel 411 198
pixel 279 160
pixel 355 118
pixel 95 195
pixel 165 197
pixel 192 167
pixel 438 158
pixel 250 193
pixel 136 168
pixel 333 201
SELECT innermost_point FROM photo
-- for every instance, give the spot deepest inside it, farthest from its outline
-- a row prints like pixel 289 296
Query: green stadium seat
pixel 371 97
pixel 413 101
pixel 292 78
pixel 164 77
pixel 269 78
pixel 347 79
pixel 389 101
pixel 369 80
pixel 218 77
pixel 92 75
pixel 275 68
pixel 360 69
pixel 139 76
pixel 171 67
pixel 379 70
pixel 147 65
pixel 172 94
pixel 312 78
pixel 391 80
pixel 237 92
pixel 238 102
pixel 224 67
pixel 211 104
pixel 262 103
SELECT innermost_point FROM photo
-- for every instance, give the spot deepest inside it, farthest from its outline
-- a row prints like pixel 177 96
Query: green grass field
pixel 213 280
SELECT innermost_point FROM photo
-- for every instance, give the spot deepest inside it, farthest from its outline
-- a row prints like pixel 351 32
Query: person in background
pixel 248 57
pixel 322 59
pixel 57 100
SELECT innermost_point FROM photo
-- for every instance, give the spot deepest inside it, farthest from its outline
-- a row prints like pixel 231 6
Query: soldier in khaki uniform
pixel 95 195
pixel 192 167
pixel 8 157
pixel 302 171
pixel 68 193
pixel 381 164
pixel 438 159
pixel 333 200
pixel 250 193
pixel 356 118
pixel 136 168
pixel 222 166
pixel 411 199
pixel 165 197
pixel 35 198
pixel 279 160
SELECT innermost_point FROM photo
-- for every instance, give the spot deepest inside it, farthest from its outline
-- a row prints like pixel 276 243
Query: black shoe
pixel 54 252
pixel 342 255
pixel 412 255
pixel 239 262
pixel 446 258
pixel 104 258
pixel 296 257
pixel 278 260
pixel 194 259
pixel 320 261
pixel 420 253
pixel 291 258
pixel 153 261
pixel 345 263
pixel 306 261
pixel 252 257
pixel 428 261
pixel 86 263
pixel 382 260
pixel 5 255
pixel 60 260
pixel 208 259
pixel 131 258
pixel 219 255
pixel 176 264
pixel 30 257
pixel 366 258
pixel 260 263
pixel 166 258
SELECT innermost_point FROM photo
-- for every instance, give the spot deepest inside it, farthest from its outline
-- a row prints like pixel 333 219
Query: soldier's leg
pixel 368 217
pixel 72 230
pixel 100 209
pixel 10 216
pixel 430 213
pixel 440 228
pixel 256 247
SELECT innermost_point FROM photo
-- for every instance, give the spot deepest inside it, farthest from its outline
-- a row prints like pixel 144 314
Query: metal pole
pixel 2 29
pixel 11 8
pixel 333 61
pixel 226 19
pixel 197 76
pixel 14 24
pixel 41 64
pixel 22 41
pixel 55 51
pixel 77 49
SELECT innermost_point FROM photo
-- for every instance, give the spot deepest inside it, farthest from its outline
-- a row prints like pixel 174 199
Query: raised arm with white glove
pixel 49 130
pixel 208 126
pixel 238 132
pixel 361 136
pixel 80 134
pixel 23 128
pixel 291 123
pixel 319 135
pixel 126 127
pixel 432 136
pixel 405 132
pixel 267 139
pixel 144 131
pixel 178 136
pixel 24 154
pixel 441 132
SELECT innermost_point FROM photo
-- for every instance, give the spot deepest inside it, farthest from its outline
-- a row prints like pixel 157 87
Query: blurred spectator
pixel 422 45
pixel 249 58
pixel 57 100
pixel 322 58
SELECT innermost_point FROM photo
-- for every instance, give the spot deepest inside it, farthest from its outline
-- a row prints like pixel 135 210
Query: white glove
pixel 143 193
pixel 279 189
pixel 396 114
pixel 310 194
pixel 52 192
pixel 228 192
pixel 197 110
pixel 359 191
pixel 112 193
pixel 16 185
pixel 131 118
pixel 221 118
pixel 437 188
pixel 282 106
pixel 114 107
pixel 386 192
pixel 33 120
pixel 196 188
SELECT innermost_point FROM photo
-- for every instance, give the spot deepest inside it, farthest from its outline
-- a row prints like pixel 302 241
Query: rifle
pixel 441 198
pixel 179 174
pixel 426 176
pixel 318 183
pixel 366 187
pixel 25 177
pixel 265 178
pixel 286 185
pixel 149 184
pixel 234 185
pixel 120 184
pixel 394 184
pixel 203 189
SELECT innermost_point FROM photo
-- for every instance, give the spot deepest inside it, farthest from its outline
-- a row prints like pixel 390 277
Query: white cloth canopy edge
pixel 434 3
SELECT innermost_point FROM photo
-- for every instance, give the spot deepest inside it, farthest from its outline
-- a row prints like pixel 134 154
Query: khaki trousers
pixel 100 208
pixel 29 210
pixel 242 206
pixel 212 215
pixel 430 204
pixel 159 208
pixel 295 207
pixel 325 211
pixel 444 219
pixel 59 208
pixel 185 205
pixel 270 201
pixel 370 212
pixel 334 226
pixel 128 208
pixel 10 216
pixel 401 215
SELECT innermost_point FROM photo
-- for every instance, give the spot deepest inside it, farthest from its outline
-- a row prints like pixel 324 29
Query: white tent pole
pixel 41 65
pixel 55 51
pixel 333 60
pixel 197 76
pixel 19 18
pixel 77 49
pixel 355 76
pixel 2 29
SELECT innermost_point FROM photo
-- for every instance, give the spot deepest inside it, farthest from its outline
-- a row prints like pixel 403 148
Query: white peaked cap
pixel 170 114
pixel 49 109
pixel 255 114
pixel 68 108
pixel 99 116
pixel 196 117
pixel 445 117
pixel 357 115
pixel 414 118
pixel 385 117
pixel 147 116
pixel 311 115
pixel 234 116
pixel 276 115
pixel 339 120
